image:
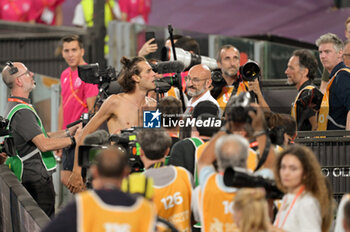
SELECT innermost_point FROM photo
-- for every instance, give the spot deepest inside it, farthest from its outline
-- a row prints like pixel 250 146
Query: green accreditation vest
pixel 88 8
pixel 15 163
pixel 196 143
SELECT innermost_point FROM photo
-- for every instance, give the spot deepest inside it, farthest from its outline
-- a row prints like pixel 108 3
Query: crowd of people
pixel 49 12
pixel 187 167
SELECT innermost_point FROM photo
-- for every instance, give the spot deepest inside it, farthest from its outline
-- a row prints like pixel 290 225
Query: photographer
pixel 106 208
pixel 35 162
pixel 122 110
pixel 301 71
pixel 172 185
pixel 215 199
pixel 228 60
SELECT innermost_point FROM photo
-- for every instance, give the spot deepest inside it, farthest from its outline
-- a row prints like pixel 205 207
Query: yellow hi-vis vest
pixel 88 8
pixel 216 207
pixel 226 93
pixel 324 109
pixel 293 111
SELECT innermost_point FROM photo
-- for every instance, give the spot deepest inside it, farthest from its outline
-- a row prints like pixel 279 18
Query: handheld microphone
pixel 168 67
pixel 99 137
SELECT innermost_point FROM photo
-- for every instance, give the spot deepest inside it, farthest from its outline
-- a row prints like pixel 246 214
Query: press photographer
pixel 301 71
pixel 232 79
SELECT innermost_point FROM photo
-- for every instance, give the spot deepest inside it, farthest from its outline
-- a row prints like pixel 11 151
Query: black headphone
pixel 13 69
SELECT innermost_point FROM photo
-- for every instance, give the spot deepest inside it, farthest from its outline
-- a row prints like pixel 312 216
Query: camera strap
pixel 264 154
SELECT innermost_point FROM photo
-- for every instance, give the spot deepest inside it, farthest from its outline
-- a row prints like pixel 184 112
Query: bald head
pixel 201 71
pixel 198 81
pixel 9 73
pixel 112 162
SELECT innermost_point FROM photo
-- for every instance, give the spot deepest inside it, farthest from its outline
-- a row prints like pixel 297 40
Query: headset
pixel 13 69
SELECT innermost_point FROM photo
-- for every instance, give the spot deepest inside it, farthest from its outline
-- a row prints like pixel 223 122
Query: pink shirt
pixel 133 8
pixel 72 108
pixel 16 10
pixel 44 10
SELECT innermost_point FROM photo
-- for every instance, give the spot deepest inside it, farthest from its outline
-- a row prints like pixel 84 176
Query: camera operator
pixel 228 60
pixel 121 111
pixel 77 97
pixel 106 208
pixel 215 200
pixel 172 185
pixel 247 119
pixel 301 71
pixel 35 162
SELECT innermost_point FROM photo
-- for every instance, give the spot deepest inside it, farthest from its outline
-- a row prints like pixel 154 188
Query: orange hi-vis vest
pixel 226 93
pixel 252 160
pixel 324 109
pixel 293 111
pixel 216 207
pixel 95 215
pixel 173 200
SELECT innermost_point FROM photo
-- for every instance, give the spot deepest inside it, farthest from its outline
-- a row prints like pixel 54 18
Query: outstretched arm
pixel 75 182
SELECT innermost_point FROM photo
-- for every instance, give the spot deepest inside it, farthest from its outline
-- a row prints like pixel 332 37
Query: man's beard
pixel 231 74
pixel 196 92
pixel 30 87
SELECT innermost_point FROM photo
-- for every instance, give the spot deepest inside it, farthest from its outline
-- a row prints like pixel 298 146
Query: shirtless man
pixel 120 111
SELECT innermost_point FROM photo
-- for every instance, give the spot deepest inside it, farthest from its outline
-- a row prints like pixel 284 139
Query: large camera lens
pixel 250 71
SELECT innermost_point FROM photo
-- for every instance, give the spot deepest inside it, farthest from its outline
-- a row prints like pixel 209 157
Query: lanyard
pixel 301 190
pixel 20 101
pixel 73 91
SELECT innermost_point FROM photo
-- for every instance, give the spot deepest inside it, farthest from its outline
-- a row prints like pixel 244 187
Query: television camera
pixel 8 145
pixel 126 141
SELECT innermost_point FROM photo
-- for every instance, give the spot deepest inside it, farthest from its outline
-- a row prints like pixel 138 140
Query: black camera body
pixel 247 72
pixel 312 99
pixel 126 141
pixel 240 179
pixel 92 74
pixel 8 145
pixel 238 108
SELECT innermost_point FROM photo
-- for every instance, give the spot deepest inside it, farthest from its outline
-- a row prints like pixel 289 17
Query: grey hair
pixel 331 38
pixel 232 158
